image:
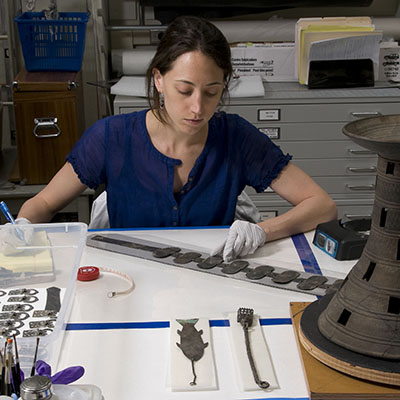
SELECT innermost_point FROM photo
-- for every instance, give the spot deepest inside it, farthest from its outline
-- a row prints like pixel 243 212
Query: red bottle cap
pixel 88 273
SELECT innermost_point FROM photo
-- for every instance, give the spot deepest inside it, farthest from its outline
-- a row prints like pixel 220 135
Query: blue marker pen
pixel 10 218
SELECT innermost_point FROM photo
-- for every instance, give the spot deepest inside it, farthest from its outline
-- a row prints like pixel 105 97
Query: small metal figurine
pixel 245 318
pixel 191 344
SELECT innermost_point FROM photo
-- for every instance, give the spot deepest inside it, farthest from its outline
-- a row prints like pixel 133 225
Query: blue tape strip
pixel 306 255
pixel 165 228
pixel 280 398
pixel 88 326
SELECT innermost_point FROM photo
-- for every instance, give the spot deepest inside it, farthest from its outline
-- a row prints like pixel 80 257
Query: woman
pixel 182 163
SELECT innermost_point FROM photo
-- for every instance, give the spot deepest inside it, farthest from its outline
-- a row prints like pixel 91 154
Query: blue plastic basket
pixel 52 44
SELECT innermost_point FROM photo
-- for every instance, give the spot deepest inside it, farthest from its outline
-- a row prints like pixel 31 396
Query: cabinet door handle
pixel 363 114
pixel 353 151
pixel 361 187
pixel 45 124
pixel 361 170
pixel 357 216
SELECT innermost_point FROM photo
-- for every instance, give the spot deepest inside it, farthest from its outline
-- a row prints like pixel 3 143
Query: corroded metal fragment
pixel 191 343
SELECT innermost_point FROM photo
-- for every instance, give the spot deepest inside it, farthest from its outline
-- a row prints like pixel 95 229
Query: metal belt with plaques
pixel 267 275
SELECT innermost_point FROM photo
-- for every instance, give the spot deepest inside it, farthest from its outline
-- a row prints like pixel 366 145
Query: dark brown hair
pixel 185 34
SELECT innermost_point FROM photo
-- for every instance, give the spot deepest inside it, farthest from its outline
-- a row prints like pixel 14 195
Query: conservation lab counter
pixel 127 343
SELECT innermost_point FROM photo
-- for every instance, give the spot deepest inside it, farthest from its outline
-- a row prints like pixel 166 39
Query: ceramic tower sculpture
pixel 357 330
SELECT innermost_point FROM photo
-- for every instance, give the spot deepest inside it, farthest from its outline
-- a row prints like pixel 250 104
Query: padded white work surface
pixel 128 360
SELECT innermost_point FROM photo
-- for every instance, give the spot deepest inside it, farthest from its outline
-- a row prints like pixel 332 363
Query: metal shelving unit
pixel 8 151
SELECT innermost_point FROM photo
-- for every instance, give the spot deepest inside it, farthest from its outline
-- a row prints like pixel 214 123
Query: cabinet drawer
pixel 331 149
pixel 354 212
pixel 342 167
pixel 345 212
pixel 349 207
pixel 333 112
pixel 359 185
pixel 307 131
pixel 47 128
pixel 348 184
pixel 127 110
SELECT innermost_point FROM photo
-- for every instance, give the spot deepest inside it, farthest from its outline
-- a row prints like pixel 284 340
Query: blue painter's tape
pixel 306 254
pixel 87 326
pixel 275 321
pixel 116 325
pixel 166 228
pixel 219 322
pixel 281 398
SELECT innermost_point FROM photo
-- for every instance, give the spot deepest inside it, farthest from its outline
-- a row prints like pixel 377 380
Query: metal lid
pixel 36 388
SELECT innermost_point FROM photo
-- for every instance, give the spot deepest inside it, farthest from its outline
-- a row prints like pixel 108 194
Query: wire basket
pixel 52 44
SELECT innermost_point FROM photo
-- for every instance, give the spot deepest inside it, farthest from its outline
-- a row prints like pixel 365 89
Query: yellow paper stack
pixel 334 38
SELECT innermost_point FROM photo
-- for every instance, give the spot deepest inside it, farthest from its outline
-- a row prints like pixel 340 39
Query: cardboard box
pixel 273 61
pixel 389 62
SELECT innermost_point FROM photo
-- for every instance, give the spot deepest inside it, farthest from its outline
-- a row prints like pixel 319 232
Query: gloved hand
pixel 64 377
pixel 243 238
pixel 14 236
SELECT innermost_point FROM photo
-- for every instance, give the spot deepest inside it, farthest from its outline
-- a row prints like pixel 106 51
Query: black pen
pixel 7 379
pixel 35 357
pixel 2 371
pixel 17 381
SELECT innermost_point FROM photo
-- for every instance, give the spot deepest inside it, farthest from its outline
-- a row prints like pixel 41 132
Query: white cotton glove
pixel 243 238
pixel 13 237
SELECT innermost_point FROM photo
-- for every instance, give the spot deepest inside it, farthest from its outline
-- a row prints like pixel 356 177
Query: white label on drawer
pixel 269 115
pixel 272 133
pixel 268 214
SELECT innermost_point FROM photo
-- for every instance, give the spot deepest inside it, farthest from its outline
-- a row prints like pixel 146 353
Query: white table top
pixel 123 342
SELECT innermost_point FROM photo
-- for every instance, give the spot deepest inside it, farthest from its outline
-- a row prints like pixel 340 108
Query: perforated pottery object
pixel 357 330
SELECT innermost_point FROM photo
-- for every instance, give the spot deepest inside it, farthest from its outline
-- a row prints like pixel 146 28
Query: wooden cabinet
pixel 49 120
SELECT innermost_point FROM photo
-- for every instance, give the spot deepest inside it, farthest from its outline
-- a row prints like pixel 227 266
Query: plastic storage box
pixel 41 274
pixel 52 44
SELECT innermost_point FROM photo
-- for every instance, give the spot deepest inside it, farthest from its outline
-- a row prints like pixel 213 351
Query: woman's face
pixel 192 90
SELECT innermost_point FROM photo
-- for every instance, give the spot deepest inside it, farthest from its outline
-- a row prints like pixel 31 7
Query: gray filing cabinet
pixel 308 124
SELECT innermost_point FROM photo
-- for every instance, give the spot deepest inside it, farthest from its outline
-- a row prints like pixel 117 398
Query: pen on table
pixel 35 357
pixel 10 218
pixel 17 382
pixel 7 378
pixel 3 371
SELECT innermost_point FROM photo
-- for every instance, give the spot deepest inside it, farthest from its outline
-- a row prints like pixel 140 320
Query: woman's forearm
pixel 304 217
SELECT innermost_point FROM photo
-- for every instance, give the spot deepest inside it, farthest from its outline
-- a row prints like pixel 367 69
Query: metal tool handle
pixel 361 170
pixel 361 187
pixel 353 151
pixel 45 124
pixel 363 114
pixel 259 382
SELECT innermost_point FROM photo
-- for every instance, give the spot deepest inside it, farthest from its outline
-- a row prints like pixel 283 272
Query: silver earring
pixel 162 101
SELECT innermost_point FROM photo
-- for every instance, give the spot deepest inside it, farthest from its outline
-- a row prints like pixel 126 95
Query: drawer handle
pixel 357 216
pixel 361 187
pixel 361 170
pixel 362 114
pixel 353 151
pixel 45 124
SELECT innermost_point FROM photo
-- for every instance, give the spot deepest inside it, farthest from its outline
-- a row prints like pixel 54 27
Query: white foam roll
pixel 136 62
pixel 283 29
pixel 275 30
pixel 390 27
